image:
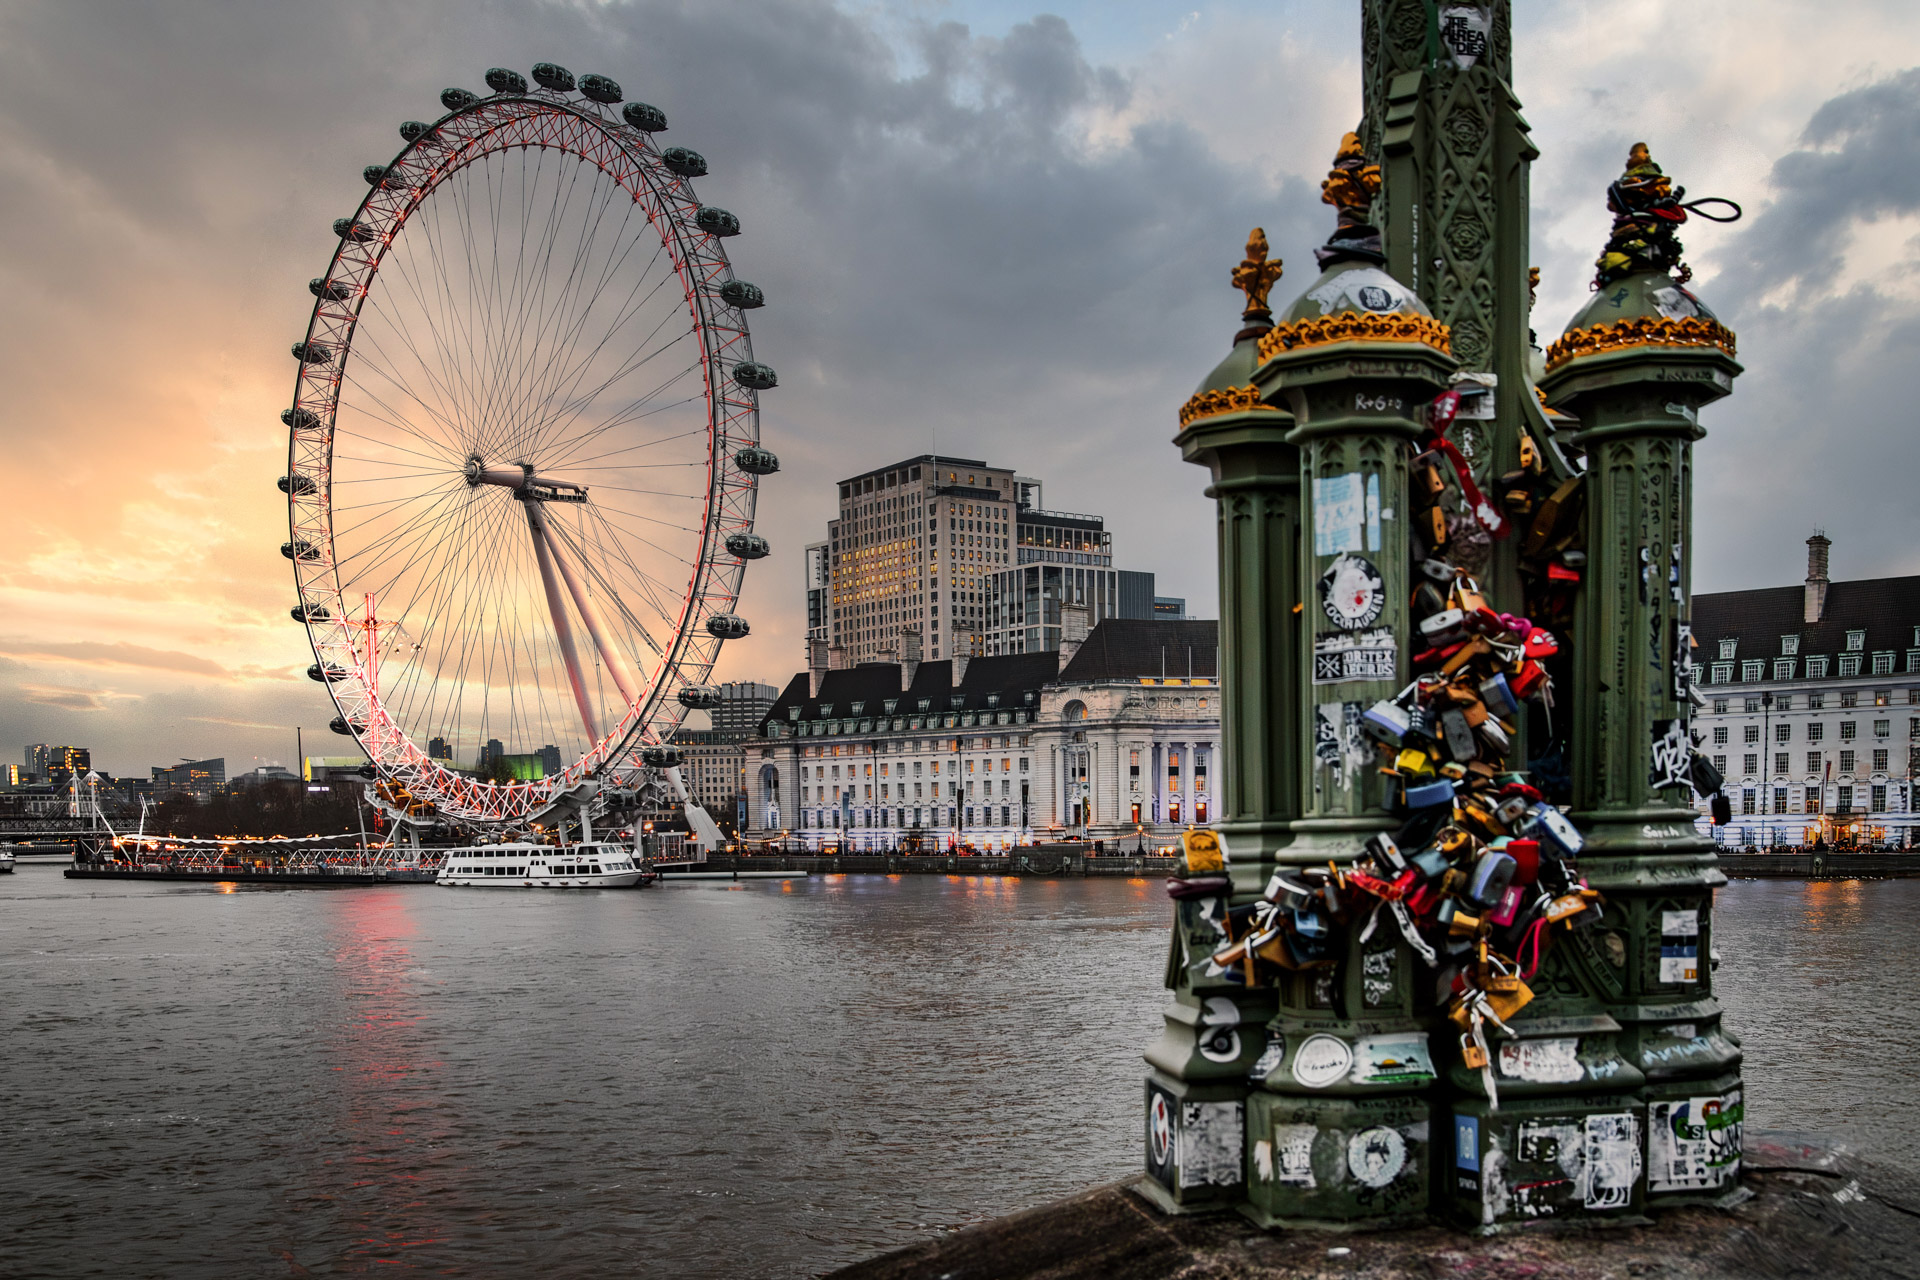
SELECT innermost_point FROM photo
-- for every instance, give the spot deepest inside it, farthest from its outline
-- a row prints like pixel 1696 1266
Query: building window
pixel 1720 734
pixel 1720 705
pixel 1883 664
pixel 1883 697
pixel 1752 733
pixel 1844 797
pixel 1753 764
pixel 1753 704
pixel 1846 762
pixel 1789 645
pixel 1816 668
pixel 1815 701
pixel 1746 800
pixel 1879 759
pixel 1783 733
pixel 1813 762
pixel 1720 765
pixel 1850 699
pixel 1721 673
pixel 1753 669
pixel 1877 799
pixel 1847 728
pixel 1913 660
pixel 1783 702
pixel 1779 799
pixel 1882 728
pixel 1783 668
pixel 1779 762
pixel 1913 728
pixel 1856 641
pixel 1727 647
pixel 1812 804
pixel 1849 665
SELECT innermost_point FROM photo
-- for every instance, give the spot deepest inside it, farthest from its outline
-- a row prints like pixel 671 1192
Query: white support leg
pixel 562 625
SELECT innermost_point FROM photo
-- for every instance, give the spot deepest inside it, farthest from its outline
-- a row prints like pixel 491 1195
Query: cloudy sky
pixel 1003 228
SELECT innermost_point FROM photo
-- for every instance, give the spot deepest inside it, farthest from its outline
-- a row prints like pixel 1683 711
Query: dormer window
pixel 1789 646
pixel 993 700
pixel 855 708
pixel 826 711
pixel 793 713
pixel 925 704
pixel 1727 647
pixel 890 704
pixel 1856 641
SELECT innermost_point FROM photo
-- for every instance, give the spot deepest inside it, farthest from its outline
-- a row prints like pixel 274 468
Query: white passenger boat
pixel 6 861
pixel 46 852
pixel 592 865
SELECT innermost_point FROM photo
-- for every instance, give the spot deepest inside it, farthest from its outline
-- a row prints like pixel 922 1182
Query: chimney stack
pixel 960 663
pixel 816 666
pixel 1816 604
pixel 1073 631
pixel 836 657
pixel 909 655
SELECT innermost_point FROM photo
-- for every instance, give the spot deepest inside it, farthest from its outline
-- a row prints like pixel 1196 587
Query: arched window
pixel 1075 710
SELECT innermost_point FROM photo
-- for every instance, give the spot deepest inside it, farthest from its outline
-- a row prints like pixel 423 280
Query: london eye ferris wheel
pixel 524 450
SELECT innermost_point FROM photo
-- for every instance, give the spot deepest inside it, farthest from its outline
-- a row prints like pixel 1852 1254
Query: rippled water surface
pixel 717 1080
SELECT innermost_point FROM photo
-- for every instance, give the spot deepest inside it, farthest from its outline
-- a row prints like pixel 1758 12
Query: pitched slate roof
pixel 872 684
pixel 1129 648
pixel 1887 609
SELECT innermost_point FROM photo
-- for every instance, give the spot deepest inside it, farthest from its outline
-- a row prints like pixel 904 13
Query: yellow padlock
pixel 1203 851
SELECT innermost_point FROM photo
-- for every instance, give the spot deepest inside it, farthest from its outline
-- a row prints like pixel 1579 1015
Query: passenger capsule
pixel 374 174
pixel 684 161
pixel 501 80
pixel 700 696
pixel 748 546
pixel 645 118
pixel 716 221
pixel 367 771
pixel 458 99
pixel 755 377
pixel 660 757
pixel 310 613
pixel 756 461
pixel 300 419
pixel 358 232
pixel 738 293
pixel 311 353
pixel 340 726
pixel 728 626
pixel 413 130
pixel 601 89
pixel 329 289
pixel 299 550
pixel 327 674
pixel 553 77
pixel 296 483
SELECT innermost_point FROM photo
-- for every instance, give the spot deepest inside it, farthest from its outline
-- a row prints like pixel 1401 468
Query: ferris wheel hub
pixel 527 484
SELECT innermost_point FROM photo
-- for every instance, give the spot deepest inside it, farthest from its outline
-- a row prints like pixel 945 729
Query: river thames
pixel 768 1079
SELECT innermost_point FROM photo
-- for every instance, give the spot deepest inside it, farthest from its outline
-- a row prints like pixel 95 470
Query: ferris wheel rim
pixel 627 156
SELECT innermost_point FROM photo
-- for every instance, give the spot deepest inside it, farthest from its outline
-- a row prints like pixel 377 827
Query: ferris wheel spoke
pixel 570 376
pixel 375 360
pixel 593 563
pixel 644 444
pixel 564 451
pixel 564 414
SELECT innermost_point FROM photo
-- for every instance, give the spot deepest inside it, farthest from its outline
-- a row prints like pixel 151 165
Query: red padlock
pixel 1540 644
pixel 1528 680
pixel 1526 860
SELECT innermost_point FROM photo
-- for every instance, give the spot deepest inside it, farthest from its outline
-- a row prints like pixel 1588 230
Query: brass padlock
pixel 1529 456
pixel 1504 1004
pixel 1472 1056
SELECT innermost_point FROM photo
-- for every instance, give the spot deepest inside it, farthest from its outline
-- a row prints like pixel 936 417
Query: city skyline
pixel 147 599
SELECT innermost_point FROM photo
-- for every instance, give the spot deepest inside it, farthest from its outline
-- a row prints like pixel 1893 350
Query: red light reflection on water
pixel 391 1115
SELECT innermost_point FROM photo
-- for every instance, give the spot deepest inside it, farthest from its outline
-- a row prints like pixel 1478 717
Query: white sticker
pixel 1361 289
pixel 1375 1157
pixel 1263 1160
pixel 1394 1059
pixel 1219 1042
pixel 1541 1061
pixel 1479 406
pixel 1693 1144
pixel 1464 29
pixel 1680 946
pixel 1270 1059
pixel 1613 1161
pixel 1674 303
pixel 1160 1128
pixel 1321 1060
pixel 1210 1144
pixel 1352 592
pixel 1355 655
pixel 1293 1143
pixel 1338 514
